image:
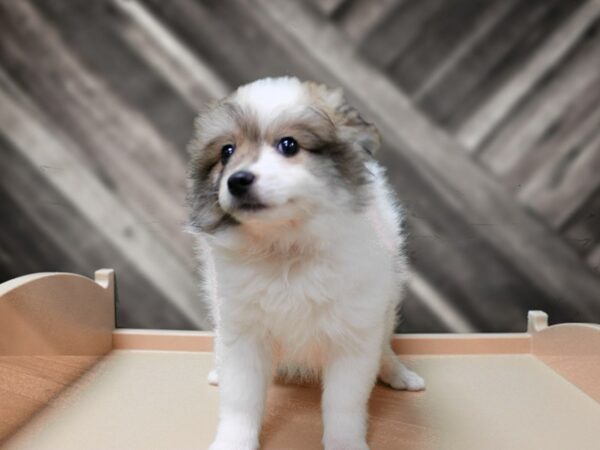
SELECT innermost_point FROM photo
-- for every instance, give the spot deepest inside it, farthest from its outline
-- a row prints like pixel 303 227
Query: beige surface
pixel 160 400
pixel 29 383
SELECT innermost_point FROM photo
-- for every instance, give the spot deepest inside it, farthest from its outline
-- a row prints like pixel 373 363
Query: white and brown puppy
pixel 301 246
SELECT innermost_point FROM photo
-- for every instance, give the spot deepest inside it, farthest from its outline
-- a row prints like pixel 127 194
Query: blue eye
pixel 226 152
pixel 288 146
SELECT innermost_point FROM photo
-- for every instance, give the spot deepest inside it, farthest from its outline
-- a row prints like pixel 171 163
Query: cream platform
pixel 68 380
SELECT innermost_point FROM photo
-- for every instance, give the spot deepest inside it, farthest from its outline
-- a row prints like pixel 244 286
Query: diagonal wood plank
pixel 126 151
pixel 594 259
pixel 583 229
pixel 567 181
pixel 469 32
pixel 482 121
pixel 493 60
pixel 416 316
pixel 237 58
pixel 30 133
pixel 468 189
pixel 169 56
pixel 91 35
pixel 547 119
pixel 358 17
pixel 66 242
pixel 396 31
pixel 451 319
pixel 329 7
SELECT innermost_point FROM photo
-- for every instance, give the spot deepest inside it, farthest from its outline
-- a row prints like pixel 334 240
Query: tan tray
pixel 68 380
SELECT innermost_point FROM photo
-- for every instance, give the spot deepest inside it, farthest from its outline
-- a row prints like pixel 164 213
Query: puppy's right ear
pixel 204 175
pixel 351 126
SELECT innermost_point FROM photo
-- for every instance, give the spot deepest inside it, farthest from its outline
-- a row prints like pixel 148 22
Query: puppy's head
pixel 277 150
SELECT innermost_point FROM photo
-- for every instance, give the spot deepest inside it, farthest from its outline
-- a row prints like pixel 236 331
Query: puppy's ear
pixel 351 127
pixel 358 131
pixel 204 172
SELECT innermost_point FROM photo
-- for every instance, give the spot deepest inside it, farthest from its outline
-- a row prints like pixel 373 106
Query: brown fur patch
pixel 351 126
pixel 312 129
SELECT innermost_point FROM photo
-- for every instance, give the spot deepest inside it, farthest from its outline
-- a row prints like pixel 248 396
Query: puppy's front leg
pixel 348 381
pixel 244 373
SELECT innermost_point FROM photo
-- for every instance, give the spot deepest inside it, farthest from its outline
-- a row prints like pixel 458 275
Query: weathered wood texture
pixel 488 110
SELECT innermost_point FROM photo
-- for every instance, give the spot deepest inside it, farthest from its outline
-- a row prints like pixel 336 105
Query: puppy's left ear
pixel 351 127
pixel 357 131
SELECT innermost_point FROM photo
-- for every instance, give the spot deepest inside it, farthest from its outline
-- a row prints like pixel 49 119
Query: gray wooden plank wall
pixel 489 111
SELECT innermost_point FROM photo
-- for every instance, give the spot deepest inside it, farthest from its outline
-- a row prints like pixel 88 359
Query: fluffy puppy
pixel 301 247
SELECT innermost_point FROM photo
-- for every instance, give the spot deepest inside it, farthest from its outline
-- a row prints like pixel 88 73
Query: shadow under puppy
pixel 299 237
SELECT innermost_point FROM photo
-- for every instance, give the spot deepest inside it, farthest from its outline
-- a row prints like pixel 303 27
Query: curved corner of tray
pixel 565 339
pixel 57 314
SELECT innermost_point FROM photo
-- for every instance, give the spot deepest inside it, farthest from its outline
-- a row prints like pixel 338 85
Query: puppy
pixel 300 243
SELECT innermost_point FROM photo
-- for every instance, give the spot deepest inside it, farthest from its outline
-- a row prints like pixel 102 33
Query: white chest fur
pixel 331 285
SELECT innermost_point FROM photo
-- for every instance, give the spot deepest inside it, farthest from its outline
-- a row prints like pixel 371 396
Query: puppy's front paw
pixel 344 444
pixel 235 436
pixel 233 444
pixel 407 380
pixel 213 377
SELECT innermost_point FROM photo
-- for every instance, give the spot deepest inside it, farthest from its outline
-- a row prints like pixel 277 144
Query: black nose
pixel 239 183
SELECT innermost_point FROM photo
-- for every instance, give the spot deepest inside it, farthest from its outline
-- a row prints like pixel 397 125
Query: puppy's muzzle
pixel 239 183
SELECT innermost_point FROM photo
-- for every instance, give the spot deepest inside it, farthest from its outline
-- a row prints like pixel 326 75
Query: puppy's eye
pixel 288 146
pixel 226 152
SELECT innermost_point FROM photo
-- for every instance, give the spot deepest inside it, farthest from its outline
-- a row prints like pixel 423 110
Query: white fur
pixel 311 288
pixel 269 96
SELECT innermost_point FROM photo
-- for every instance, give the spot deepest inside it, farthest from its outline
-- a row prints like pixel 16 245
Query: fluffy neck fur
pixel 311 235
